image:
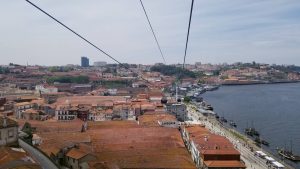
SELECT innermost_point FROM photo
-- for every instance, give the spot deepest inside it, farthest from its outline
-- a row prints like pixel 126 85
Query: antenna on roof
pixel 176 97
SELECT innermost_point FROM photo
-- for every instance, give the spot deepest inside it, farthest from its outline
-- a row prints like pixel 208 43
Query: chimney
pixel 4 121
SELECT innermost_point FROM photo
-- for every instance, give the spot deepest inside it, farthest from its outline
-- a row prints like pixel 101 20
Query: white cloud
pixel 222 31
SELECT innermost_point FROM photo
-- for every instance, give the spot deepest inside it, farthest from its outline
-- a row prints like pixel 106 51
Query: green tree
pixel 187 99
pixel 29 131
pixel 4 70
pixel 60 69
pixel 68 79
pixel 173 71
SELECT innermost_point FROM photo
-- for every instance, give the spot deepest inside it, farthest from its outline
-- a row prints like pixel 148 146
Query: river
pixel 273 109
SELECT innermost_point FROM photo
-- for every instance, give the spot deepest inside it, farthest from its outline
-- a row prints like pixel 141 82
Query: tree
pixel 4 70
pixel 68 79
pixel 60 69
pixel 187 99
pixel 173 71
pixel 29 131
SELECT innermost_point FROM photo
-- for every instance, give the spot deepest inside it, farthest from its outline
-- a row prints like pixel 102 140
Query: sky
pixel 265 31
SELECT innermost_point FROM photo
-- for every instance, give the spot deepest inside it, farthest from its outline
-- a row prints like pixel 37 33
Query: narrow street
pixel 38 156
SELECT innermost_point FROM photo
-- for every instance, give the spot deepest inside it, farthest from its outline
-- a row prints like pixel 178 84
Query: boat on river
pixel 288 154
pixel 211 87
pixel 232 123
pixel 252 132
pixel 222 119
pixel 260 141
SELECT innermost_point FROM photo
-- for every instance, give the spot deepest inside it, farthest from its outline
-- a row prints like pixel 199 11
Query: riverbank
pixel 241 140
pixel 245 145
pixel 258 82
pixel 273 110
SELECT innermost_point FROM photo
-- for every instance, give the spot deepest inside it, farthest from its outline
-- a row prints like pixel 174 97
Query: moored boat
pixel 211 87
pixel 209 107
pixel 288 155
pixel 260 141
pixel 232 123
pixel 251 132
pixel 222 119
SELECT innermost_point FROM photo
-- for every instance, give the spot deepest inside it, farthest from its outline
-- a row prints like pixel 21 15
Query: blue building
pixel 85 62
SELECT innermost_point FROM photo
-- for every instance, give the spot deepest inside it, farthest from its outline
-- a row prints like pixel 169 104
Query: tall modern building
pixel 85 62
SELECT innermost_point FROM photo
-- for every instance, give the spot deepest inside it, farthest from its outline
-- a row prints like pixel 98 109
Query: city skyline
pixel 226 31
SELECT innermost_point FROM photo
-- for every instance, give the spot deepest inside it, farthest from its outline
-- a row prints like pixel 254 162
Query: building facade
pixel 20 108
pixel 85 62
pixel 8 131
pixel 66 113
pixel 100 64
pixel 178 110
pixel 210 151
pixel 45 90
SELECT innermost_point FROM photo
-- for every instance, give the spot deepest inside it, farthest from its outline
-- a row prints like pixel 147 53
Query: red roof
pixel 208 143
pixel 79 152
pixel 223 152
pixel 224 164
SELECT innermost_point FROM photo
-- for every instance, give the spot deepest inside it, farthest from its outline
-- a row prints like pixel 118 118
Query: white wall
pixel 5 138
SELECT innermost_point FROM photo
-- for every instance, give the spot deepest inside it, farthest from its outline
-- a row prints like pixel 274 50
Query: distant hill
pixel 169 70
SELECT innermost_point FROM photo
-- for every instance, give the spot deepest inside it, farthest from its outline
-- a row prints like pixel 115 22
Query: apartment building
pixel 210 151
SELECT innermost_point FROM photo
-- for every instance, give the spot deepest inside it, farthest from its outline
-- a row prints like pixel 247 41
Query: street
pixel 38 156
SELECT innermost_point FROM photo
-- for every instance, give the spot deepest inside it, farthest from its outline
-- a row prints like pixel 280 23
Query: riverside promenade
pixel 241 142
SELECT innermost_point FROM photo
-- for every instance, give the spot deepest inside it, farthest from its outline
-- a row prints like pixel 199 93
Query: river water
pixel 273 109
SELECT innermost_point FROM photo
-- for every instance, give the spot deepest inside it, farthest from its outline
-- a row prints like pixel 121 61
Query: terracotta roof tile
pixel 9 122
pixel 209 143
pixel 79 151
pixel 31 111
pixel 224 164
pixel 151 119
pixel 89 99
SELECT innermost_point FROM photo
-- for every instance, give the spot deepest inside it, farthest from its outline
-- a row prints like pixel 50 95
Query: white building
pixel 78 157
pixel 65 113
pixel 44 90
pixel 8 131
pixel 112 91
pixel 100 64
pixel 20 108
pixel 100 115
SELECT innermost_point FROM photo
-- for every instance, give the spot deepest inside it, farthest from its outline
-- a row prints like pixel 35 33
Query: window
pixel 10 133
